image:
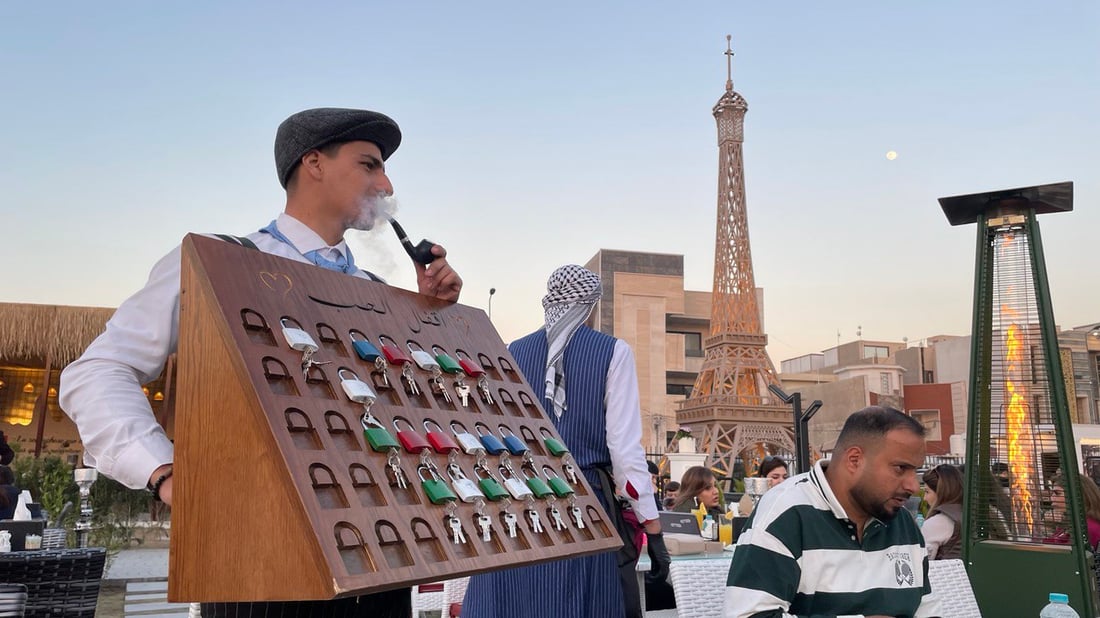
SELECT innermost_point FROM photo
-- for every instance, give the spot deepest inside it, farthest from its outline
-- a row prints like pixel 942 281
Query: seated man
pixel 828 542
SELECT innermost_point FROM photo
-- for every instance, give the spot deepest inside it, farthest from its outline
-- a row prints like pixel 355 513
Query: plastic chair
pixel 700 586
pixel 454 591
pixel 952 585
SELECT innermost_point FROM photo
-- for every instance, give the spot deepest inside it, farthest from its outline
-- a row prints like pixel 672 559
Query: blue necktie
pixel 343 263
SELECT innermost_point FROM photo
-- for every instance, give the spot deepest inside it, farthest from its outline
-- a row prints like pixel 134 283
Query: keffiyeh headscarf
pixel 571 293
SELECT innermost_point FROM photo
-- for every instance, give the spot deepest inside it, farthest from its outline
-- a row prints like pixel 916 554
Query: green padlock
pixel 435 488
pixel 377 436
pixel 560 487
pixel 556 448
pixel 489 486
pixel 446 362
pixel 536 484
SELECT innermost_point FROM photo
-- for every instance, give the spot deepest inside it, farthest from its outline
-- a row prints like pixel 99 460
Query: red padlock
pixel 412 441
pixel 441 442
pixel 393 354
pixel 468 365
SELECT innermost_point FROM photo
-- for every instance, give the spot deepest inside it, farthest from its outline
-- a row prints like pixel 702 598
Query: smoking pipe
pixel 421 253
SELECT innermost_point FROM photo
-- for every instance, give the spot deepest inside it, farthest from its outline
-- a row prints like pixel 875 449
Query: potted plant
pixel 684 440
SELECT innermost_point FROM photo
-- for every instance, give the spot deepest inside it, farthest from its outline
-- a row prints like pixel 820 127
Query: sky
pixel 536 134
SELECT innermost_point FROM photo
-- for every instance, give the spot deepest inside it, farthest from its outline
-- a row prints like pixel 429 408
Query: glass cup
pixel 725 530
pixel 32 541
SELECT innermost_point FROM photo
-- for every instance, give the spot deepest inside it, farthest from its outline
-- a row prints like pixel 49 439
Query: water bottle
pixel 709 532
pixel 920 520
pixel 1058 607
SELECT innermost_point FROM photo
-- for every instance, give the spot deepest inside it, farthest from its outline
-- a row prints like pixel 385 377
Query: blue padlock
pixel 493 446
pixel 514 444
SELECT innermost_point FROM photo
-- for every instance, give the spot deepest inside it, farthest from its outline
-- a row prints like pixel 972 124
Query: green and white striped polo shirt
pixel 799 556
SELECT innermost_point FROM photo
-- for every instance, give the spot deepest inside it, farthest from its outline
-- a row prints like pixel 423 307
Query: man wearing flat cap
pixel 332 164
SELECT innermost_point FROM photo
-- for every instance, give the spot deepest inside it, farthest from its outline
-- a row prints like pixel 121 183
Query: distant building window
pixel 884 379
pixel 876 351
pixel 929 378
pixel 930 419
pixel 678 389
pixel 693 343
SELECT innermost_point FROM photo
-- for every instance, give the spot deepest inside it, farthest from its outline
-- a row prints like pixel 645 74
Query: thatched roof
pixel 30 333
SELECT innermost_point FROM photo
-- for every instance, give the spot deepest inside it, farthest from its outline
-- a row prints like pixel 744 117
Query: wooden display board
pixel 277 495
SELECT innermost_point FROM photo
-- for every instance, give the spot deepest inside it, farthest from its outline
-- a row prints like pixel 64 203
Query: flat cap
pixel 314 128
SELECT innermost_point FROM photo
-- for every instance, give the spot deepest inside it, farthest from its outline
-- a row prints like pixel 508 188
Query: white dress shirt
pixel 624 432
pixel 101 391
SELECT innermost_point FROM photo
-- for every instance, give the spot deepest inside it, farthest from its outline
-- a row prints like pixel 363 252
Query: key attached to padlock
pixel 536 522
pixel 555 514
pixel 473 370
pixel 510 520
pixel 429 364
pixel 366 350
pixel 485 524
pixel 395 356
pixel 456 530
pixel 434 487
pixel 301 341
pixel 466 489
pixel 394 463
pixel 578 519
pixel 451 367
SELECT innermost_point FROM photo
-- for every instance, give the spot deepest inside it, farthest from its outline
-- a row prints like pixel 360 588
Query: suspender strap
pixel 238 240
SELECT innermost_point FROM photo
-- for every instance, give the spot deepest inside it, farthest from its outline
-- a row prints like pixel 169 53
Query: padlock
pixel 379 439
pixel 515 445
pixel 514 486
pixel 492 445
pixel 435 488
pixel 557 484
pixel 423 359
pixel 446 363
pixel 393 354
pixel 468 365
pixel 489 485
pixel 469 442
pixel 556 448
pixel 537 485
pixel 356 389
pixel 297 338
pixel 412 441
pixel 364 349
pixel 465 488
pixel 441 442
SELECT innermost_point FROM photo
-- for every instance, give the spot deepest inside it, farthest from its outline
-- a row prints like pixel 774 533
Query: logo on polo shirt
pixel 903 568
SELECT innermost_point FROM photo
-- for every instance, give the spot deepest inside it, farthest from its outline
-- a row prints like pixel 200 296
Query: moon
pixel 891 155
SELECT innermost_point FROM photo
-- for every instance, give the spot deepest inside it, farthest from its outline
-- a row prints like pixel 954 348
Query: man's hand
pixel 438 279
pixel 165 487
pixel 658 557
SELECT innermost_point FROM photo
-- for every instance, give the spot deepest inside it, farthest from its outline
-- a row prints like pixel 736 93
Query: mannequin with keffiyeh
pixel 589 387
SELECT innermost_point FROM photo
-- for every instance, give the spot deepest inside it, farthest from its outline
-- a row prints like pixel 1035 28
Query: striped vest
pixel 583 425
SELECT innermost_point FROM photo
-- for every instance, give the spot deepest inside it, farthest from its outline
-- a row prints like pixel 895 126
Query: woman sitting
pixel 1091 494
pixel 943 491
pixel 697 488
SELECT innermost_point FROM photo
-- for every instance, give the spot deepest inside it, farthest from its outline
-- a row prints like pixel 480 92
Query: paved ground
pixel 138 565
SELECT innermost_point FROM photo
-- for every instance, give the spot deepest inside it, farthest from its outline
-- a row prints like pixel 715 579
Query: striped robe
pixel 799 556
pixel 577 587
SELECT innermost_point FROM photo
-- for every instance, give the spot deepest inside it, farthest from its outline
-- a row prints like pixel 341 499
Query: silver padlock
pixel 297 338
pixel 356 389
pixel 466 489
pixel 468 441
pixel 516 487
pixel 424 360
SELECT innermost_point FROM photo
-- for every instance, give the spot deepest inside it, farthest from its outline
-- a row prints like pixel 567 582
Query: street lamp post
pixel 491 292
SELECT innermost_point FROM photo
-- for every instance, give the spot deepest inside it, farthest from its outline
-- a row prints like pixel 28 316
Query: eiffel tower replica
pixel 730 399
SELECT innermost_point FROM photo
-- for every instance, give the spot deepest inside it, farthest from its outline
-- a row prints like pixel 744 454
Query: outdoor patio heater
pixel 1020 448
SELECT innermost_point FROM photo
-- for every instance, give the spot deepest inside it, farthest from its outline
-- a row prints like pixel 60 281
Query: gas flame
pixel 1019 436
